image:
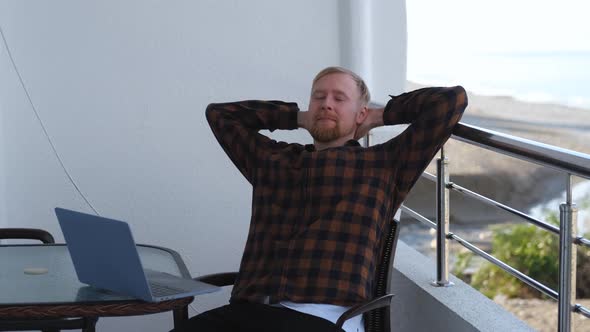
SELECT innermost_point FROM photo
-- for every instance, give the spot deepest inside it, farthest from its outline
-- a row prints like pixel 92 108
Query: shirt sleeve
pixel 432 114
pixel 236 126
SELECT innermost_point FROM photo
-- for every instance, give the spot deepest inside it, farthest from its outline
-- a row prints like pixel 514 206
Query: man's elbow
pixel 460 97
pixel 211 110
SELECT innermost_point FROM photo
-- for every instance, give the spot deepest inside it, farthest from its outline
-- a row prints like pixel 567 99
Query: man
pixel 319 211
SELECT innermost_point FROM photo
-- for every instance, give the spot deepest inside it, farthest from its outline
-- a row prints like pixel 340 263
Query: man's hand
pixel 373 120
pixel 304 120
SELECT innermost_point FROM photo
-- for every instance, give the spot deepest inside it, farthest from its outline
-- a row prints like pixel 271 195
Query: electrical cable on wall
pixel 47 134
pixel 41 123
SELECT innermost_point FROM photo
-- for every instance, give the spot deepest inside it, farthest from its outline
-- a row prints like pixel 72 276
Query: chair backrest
pixel 378 320
pixel 26 234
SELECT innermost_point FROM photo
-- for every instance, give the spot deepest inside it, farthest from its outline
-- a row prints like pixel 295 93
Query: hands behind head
pixel 374 119
pixel 304 120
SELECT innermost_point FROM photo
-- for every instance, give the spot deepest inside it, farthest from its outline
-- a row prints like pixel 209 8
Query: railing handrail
pixel 569 161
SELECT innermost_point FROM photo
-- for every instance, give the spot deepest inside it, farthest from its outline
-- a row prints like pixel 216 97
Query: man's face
pixel 334 104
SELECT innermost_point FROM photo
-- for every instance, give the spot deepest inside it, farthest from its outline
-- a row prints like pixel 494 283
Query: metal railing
pixel 567 161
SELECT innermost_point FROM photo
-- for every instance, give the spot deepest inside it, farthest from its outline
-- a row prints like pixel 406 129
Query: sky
pixel 503 46
pixel 499 25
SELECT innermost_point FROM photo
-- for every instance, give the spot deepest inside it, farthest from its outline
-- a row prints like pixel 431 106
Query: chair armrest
pixel 380 302
pixel 26 233
pixel 219 279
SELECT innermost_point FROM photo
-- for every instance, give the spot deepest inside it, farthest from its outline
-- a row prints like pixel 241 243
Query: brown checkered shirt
pixel 318 217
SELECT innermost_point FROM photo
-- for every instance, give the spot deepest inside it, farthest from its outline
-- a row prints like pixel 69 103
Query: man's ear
pixel 362 115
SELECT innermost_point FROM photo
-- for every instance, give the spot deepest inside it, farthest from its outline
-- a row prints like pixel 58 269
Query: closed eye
pixel 340 97
pixel 319 96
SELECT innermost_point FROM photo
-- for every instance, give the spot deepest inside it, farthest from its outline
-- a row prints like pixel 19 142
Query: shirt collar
pixel 351 142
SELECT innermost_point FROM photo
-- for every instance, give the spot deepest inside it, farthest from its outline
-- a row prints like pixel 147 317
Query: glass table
pixel 39 282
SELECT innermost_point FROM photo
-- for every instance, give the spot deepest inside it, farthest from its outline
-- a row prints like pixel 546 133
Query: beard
pixel 325 135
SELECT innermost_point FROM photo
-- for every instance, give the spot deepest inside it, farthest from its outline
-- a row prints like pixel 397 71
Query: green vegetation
pixel 530 250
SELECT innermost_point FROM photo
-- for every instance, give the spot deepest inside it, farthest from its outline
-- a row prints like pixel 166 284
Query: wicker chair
pixel 376 312
pixel 45 325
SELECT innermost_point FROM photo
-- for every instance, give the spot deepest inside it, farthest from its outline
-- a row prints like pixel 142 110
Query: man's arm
pixel 432 114
pixel 236 126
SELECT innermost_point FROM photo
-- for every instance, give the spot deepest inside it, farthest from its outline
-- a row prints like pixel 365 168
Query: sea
pixel 560 77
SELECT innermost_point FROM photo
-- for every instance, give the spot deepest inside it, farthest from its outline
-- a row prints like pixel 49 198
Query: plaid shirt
pixel 318 217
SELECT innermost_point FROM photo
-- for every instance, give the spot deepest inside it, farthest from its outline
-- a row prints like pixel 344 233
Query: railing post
pixel 367 140
pixel 568 218
pixel 442 222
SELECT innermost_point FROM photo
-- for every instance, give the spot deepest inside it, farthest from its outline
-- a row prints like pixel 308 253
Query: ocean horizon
pixel 557 77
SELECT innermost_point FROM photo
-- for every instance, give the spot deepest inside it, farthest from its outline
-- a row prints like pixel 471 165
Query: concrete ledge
pixel 419 306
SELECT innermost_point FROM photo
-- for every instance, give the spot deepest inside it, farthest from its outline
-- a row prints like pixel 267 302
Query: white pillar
pixel 356 37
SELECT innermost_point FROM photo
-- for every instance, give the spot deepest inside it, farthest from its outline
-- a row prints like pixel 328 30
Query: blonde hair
pixel 365 95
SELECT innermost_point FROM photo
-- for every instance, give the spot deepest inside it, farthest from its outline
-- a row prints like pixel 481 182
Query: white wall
pixel 2 184
pixel 121 88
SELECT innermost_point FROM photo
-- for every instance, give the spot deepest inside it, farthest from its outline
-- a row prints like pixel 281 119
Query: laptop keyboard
pixel 159 290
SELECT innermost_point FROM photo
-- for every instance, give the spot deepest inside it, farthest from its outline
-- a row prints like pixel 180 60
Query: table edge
pixel 123 308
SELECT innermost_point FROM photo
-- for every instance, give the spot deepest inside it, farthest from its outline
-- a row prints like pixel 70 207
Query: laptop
pixel 105 256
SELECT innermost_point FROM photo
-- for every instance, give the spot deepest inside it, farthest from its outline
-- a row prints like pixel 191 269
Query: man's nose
pixel 327 104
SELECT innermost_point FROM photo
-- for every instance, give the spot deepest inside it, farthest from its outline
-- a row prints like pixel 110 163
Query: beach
pixel 522 185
